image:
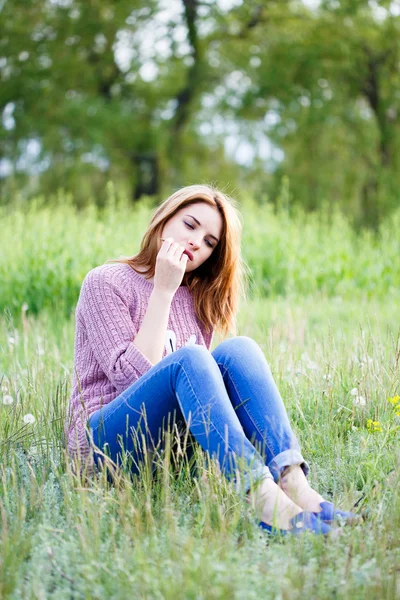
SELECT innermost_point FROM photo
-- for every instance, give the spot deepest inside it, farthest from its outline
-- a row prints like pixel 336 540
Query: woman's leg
pixel 188 383
pixel 262 414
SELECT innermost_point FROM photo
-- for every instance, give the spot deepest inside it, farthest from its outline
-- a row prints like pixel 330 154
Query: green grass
pixel 323 307
pixel 191 536
pixel 46 250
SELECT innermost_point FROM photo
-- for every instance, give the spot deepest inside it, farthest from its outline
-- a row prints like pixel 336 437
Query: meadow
pixel 323 304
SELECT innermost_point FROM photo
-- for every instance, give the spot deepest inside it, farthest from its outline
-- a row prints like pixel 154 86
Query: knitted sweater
pixel 112 304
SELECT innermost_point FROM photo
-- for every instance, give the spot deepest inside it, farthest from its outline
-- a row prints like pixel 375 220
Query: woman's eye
pixel 209 244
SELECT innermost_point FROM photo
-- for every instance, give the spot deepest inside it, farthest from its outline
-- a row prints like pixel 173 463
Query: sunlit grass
pixel 184 532
pixel 323 307
pixel 46 250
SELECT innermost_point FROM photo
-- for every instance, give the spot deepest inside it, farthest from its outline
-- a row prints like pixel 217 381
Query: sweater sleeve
pixel 110 329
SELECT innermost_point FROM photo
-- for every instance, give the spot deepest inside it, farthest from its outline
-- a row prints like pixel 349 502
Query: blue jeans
pixel 228 400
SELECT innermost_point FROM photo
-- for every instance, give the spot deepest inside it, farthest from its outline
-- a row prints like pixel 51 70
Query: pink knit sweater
pixel 111 307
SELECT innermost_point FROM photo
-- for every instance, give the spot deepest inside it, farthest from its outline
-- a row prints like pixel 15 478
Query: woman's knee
pixel 239 345
pixel 238 350
pixel 196 358
pixel 194 352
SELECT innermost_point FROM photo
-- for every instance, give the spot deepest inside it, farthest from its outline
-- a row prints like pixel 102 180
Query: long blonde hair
pixel 218 283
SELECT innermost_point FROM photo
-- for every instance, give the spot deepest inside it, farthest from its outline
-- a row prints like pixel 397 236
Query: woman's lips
pixel 189 254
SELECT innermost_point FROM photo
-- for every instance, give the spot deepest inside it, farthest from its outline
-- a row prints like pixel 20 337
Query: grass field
pixel 335 354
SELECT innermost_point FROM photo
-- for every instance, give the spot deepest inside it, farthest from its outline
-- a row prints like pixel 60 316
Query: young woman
pixel 144 327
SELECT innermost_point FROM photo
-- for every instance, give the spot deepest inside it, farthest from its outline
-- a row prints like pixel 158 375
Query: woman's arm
pixel 169 271
pixel 110 330
pixel 150 338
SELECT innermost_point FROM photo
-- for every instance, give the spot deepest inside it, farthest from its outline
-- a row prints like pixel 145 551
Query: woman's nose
pixel 193 243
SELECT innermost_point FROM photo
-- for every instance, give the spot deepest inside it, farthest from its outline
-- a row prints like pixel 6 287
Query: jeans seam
pixel 180 405
pixel 200 406
pixel 252 419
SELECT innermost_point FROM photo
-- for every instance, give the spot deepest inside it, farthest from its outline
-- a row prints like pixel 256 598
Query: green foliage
pixel 321 84
pixel 64 537
pixel 47 249
pixel 329 330
pixel 313 252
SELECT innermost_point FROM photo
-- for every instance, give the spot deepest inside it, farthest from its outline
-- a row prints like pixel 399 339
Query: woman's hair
pixel 218 283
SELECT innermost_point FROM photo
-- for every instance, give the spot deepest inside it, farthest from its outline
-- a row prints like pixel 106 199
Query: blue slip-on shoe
pixel 330 514
pixel 304 521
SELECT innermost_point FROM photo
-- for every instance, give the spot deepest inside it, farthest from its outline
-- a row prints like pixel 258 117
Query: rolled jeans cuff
pixel 287 459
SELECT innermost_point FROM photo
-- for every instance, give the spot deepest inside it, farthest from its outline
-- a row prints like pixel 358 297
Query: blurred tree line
pixel 163 93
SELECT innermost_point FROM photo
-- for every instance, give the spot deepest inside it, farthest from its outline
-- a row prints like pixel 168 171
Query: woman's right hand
pixel 170 267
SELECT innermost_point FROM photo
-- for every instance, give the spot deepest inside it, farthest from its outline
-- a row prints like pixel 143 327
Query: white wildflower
pixel 354 392
pixel 367 360
pixel 11 340
pixel 29 418
pixel 309 364
pixel 359 401
pixel 24 307
pixel 7 399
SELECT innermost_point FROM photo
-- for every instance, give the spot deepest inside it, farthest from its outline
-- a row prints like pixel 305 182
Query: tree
pixel 324 86
pixel 149 96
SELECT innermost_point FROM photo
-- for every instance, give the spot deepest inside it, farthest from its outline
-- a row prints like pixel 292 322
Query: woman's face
pixel 198 228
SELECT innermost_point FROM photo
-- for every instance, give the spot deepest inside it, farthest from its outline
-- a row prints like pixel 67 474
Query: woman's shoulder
pixel 108 273
pixel 115 277
pixel 119 277
pixel 106 286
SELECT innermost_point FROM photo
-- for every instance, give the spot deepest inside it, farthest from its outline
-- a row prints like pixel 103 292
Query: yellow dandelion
pixel 395 400
pixel 374 426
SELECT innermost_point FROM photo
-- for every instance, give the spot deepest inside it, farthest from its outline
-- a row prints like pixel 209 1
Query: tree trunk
pixel 147 178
